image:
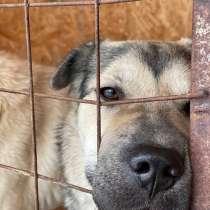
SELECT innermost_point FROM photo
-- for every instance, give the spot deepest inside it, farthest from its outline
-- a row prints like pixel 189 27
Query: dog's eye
pixel 186 108
pixel 109 93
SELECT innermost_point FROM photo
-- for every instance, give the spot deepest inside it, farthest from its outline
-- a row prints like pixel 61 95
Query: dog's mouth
pixel 118 204
pixel 145 183
pixel 108 204
pixel 101 199
pixel 107 195
pixel 89 175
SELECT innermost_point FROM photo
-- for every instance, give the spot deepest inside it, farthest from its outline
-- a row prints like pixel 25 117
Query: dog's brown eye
pixel 109 93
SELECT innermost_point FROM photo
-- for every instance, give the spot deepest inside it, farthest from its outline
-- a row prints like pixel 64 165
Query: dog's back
pixel 16 146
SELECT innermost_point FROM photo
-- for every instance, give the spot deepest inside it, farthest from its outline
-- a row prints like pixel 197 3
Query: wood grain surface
pixel 57 30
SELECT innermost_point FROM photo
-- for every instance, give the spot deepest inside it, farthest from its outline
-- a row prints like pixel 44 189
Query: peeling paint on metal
pixel 200 108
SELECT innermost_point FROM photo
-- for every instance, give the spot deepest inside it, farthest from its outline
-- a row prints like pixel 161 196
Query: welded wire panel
pixel 200 108
pixel 200 119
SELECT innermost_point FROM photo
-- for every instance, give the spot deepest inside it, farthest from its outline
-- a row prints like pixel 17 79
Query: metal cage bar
pixel 200 120
pixel 191 95
pixel 67 3
pixel 32 99
pixel 45 178
pixel 200 103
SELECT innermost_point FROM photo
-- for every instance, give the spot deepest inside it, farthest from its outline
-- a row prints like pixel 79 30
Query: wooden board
pixel 57 30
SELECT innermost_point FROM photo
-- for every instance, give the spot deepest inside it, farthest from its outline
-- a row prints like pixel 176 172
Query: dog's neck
pixel 74 170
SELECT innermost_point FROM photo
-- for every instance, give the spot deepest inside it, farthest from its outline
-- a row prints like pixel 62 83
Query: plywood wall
pixel 57 30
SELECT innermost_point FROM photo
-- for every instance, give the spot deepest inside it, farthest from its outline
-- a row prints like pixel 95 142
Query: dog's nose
pixel 157 169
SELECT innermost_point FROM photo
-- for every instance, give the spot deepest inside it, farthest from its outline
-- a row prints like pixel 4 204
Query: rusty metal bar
pixel 62 3
pixel 11 5
pixel 33 120
pixel 42 95
pixel 79 3
pixel 67 3
pixel 43 177
pixel 200 120
pixel 97 46
pixel 199 94
pixel 188 96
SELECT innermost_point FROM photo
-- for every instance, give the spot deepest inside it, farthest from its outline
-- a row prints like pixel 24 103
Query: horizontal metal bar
pixel 116 1
pixel 188 96
pixel 66 3
pixel 45 178
pixel 12 5
pixel 54 97
pixel 62 3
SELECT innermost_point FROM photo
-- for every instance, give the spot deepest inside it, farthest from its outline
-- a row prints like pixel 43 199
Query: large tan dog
pixel 143 162
pixel 17 191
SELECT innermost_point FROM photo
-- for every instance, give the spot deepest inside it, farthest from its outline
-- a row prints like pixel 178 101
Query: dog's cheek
pixel 87 130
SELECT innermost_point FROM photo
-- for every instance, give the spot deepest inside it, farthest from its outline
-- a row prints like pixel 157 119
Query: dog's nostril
pixel 140 165
pixel 143 167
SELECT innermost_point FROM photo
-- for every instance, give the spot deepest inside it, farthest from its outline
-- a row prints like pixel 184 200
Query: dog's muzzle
pixel 134 178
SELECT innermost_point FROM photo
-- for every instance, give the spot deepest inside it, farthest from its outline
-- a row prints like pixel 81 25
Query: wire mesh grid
pixel 196 94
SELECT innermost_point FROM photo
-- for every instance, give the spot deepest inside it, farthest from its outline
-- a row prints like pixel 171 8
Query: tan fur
pixel 17 191
pixel 79 140
pixel 136 80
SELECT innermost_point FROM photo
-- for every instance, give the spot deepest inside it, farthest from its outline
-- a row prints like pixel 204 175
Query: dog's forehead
pixel 145 68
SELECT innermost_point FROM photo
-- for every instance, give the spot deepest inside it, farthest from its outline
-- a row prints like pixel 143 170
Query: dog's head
pixel 143 160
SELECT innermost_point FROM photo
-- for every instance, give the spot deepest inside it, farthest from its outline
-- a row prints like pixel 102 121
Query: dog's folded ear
pixel 73 66
pixel 186 41
pixel 185 50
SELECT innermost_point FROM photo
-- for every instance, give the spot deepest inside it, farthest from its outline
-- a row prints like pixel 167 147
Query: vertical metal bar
pixel 29 58
pixel 97 45
pixel 200 108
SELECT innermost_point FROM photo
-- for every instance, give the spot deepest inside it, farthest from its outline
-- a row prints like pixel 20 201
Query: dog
pixel 143 162
pixel 17 191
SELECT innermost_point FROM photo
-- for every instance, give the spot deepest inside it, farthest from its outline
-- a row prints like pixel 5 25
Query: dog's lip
pixel 144 207
pixel 90 176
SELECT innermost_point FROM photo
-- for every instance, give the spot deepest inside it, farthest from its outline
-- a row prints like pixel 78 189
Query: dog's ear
pixel 185 50
pixel 187 42
pixel 73 67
